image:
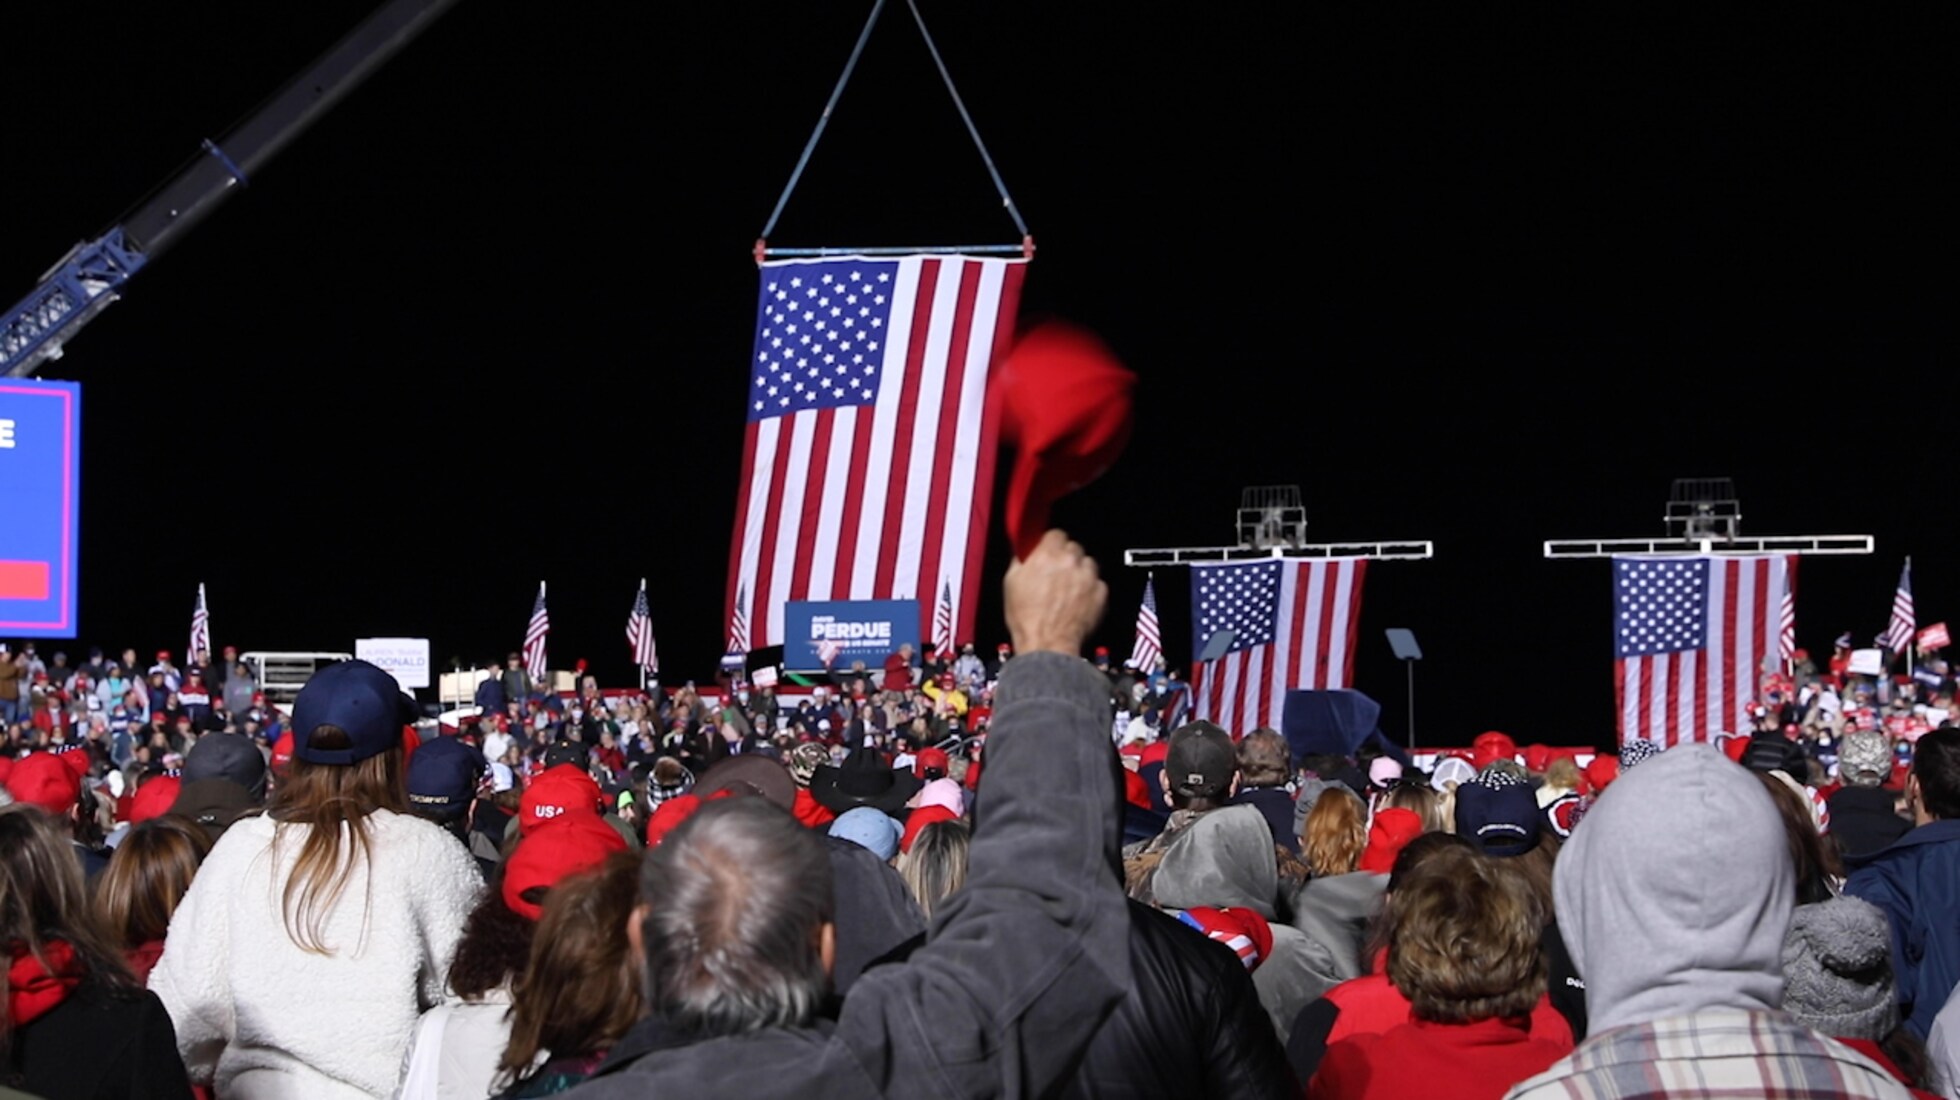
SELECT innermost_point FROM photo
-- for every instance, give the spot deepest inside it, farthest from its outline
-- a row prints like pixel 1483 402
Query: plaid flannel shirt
pixel 1718 1053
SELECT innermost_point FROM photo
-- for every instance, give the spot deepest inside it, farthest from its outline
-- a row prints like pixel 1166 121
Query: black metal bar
pixel 198 190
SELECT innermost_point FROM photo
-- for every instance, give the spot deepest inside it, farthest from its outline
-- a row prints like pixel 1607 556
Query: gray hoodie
pixel 1225 859
pixel 1675 893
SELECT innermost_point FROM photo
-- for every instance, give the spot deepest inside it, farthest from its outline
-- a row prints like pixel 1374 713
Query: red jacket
pixel 1474 1061
pixel 1371 1005
pixel 810 813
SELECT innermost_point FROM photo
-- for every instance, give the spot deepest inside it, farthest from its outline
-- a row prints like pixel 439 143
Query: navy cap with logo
pixel 1499 813
pixel 357 697
pixel 443 776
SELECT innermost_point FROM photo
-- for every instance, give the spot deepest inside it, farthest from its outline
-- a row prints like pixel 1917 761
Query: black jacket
pixel 99 1043
pixel 1863 821
pixel 1190 1025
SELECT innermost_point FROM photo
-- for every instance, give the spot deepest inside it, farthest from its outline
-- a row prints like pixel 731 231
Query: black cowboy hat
pixel 863 779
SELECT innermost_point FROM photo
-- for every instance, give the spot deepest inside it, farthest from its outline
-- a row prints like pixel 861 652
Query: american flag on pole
pixel 1691 636
pixel 738 626
pixel 868 461
pixel 1898 634
pixel 1149 648
pixel 1293 625
pixel 639 633
pixel 534 661
pixel 200 648
pixel 942 625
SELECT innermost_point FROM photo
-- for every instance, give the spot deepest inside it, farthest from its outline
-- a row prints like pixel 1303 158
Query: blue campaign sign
pixel 860 630
pixel 40 506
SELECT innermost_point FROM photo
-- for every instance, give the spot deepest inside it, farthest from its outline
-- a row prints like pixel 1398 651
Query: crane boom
pixel 90 277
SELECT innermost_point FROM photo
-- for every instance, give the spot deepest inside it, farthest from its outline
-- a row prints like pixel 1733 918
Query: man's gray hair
pixel 734 898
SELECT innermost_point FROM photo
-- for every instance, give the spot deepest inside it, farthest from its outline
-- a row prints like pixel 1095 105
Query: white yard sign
pixel 406 658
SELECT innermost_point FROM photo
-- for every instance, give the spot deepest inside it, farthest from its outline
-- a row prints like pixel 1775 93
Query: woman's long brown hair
pixel 580 990
pixel 330 805
pixel 148 875
pixel 43 901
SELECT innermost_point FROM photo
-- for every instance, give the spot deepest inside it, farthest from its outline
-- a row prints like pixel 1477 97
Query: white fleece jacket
pixel 266 1020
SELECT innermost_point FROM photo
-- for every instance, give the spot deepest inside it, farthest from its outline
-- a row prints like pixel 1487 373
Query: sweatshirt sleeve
pixel 1023 964
pixel 449 883
pixel 192 977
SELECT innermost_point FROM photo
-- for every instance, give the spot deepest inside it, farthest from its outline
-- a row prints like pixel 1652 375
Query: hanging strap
pixel 1026 245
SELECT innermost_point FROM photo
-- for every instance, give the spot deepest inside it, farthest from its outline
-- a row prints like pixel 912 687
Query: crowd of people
pixel 1021 875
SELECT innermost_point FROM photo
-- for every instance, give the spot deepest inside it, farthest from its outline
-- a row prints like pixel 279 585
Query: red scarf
pixel 32 988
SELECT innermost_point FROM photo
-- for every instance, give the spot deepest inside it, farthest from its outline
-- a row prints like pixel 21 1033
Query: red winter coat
pixel 1474 1061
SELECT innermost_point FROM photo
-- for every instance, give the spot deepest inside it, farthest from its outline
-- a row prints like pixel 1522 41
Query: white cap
pixel 501 778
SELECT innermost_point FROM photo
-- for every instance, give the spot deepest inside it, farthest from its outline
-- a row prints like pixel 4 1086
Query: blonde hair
pixel 330 804
pixel 1335 833
pixel 1419 799
pixel 936 865
pixel 1563 774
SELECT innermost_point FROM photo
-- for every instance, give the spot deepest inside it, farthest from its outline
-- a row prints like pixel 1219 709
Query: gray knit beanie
pixel 1837 970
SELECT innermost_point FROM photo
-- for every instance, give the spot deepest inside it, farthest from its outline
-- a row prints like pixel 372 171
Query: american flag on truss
pixel 534 634
pixel 1293 625
pixel 639 633
pixel 942 624
pixel 1691 637
pixel 1149 648
pixel 868 461
pixel 1898 633
pixel 200 649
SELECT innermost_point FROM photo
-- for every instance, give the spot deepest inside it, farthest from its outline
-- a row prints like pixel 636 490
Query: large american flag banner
pixel 1692 638
pixel 534 635
pixel 1294 625
pixel 868 463
pixel 1899 631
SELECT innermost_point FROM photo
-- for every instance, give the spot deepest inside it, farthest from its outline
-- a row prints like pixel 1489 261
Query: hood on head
pixel 1224 859
pixel 1675 892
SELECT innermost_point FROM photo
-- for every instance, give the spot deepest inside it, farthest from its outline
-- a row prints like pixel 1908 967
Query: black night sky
pixel 1479 274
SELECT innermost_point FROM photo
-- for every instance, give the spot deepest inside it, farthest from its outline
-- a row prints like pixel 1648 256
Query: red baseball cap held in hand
pixel 1063 403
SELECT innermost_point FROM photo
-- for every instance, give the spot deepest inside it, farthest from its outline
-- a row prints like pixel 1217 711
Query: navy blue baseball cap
pixel 443 776
pixel 357 697
pixel 1498 813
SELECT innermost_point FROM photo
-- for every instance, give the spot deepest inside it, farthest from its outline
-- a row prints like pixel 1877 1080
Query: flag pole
pixel 642 664
pixel 1912 636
